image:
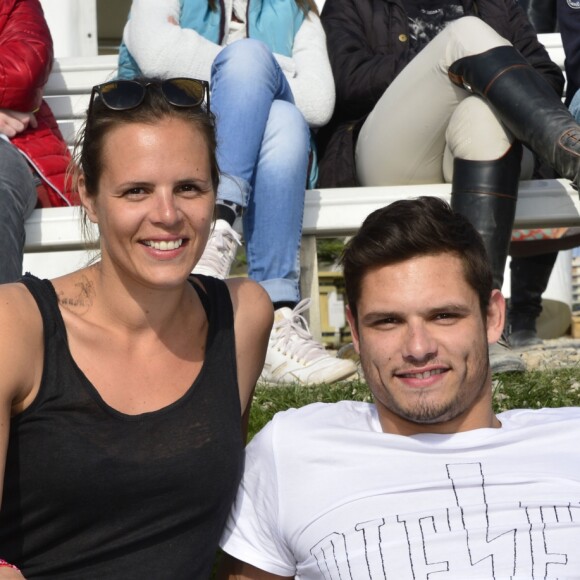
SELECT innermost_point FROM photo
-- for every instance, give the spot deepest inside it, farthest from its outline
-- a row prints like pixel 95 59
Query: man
pixel 33 155
pixel 445 91
pixel 426 482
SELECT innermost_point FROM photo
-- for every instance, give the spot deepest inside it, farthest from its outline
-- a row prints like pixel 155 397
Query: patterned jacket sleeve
pixel 361 72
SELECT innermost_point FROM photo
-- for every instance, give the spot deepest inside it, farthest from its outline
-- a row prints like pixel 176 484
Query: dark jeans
pixel 529 278
pixel 17 200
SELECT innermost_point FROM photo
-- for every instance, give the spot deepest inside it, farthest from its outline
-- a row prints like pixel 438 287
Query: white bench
pixel 54 244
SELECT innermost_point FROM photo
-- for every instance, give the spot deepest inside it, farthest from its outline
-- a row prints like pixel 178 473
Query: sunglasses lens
pixel 183 92
pixel 122 95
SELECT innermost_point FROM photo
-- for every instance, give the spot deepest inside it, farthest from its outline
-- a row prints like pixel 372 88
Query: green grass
pixel 536 389
pixel 557 388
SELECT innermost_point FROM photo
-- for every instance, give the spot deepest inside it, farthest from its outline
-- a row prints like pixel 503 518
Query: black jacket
pixel 368 47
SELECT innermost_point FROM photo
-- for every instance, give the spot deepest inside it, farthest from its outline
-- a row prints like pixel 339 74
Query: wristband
pixel 5 564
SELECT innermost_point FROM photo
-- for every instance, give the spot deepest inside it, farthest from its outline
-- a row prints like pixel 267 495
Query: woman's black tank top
pixel 93 493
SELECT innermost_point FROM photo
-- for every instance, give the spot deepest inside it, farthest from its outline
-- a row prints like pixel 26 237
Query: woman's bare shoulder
pixel 251 300
pixel 18 309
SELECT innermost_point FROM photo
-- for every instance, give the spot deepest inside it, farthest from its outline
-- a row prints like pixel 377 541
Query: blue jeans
pixel 263 150
pixel 575 106
pixel 17 200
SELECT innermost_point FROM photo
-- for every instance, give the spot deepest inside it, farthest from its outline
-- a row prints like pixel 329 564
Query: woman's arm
pixel 21 356
pixel 309 73
pixel 362 72
pixel 253 318
pixel 162 48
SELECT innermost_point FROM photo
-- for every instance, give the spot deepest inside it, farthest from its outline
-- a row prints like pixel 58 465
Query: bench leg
pixel 309 283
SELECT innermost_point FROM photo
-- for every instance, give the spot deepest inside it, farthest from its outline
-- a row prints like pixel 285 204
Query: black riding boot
pixel 485 192
pixel 526 104
pixel 529 279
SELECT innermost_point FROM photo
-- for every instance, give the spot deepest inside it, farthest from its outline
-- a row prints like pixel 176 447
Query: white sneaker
pixel 293 356
pixel 220 251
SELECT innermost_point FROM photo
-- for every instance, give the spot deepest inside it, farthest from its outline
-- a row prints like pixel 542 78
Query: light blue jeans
pixel 575 106
pixel 17 200
pixel 263 151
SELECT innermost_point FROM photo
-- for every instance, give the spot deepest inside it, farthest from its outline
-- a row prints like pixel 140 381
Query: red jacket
pixel 25 62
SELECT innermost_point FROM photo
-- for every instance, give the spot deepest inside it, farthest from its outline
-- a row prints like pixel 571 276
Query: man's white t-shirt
pixel 327 495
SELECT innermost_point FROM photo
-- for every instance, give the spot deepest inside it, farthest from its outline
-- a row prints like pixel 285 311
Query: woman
pixel 124 384
pixel 270 80
pixel 435 91
pixel 445 91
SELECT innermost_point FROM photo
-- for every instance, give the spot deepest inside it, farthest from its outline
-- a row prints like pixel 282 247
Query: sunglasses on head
pixel 123 95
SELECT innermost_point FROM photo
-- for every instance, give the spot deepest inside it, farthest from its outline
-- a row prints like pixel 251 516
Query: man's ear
pixel 87 201
pixel 353 328
pixel 495 316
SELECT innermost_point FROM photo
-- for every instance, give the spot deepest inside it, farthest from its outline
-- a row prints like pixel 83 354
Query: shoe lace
pixel 220 250
pixel 292 336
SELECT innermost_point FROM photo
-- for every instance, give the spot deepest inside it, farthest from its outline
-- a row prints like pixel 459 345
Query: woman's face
pixel 155 201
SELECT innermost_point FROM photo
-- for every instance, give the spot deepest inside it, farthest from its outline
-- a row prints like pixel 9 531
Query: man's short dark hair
pixel 406 229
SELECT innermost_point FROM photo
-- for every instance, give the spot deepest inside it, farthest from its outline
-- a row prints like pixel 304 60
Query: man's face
pixel 423 344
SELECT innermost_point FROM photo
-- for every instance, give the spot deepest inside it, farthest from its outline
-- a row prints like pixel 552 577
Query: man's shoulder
pixel 520 418
pixel 342 414
pixel 311 424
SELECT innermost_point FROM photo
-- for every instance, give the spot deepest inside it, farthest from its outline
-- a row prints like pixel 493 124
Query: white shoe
pixel 294 357
pixel 220 251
